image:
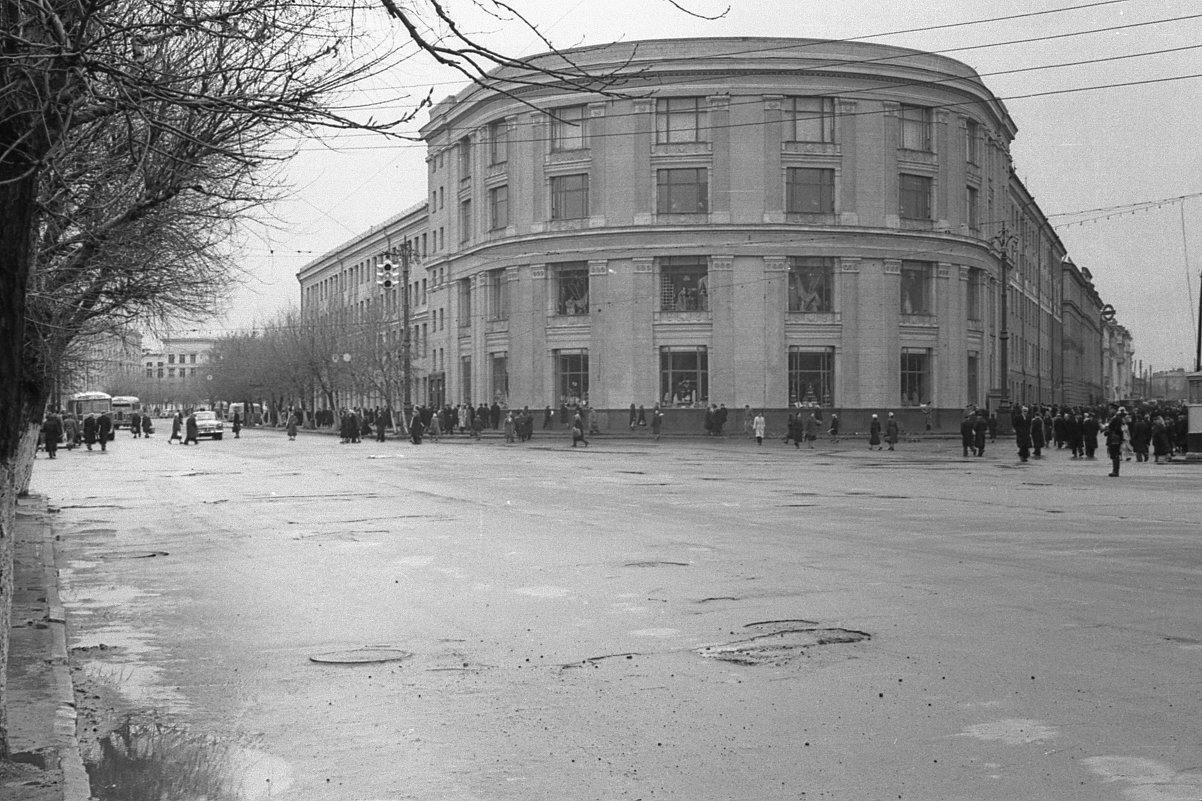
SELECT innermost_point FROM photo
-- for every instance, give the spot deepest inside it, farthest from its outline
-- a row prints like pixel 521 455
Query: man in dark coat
pixel 1022 433
pixel 1038 437
pixel 980 430
pixel 967 435
pixel 1090 428
pixel 89 431
pixel 236 425
pixel 135 424
pixel 494 415
pixel 52 432
pixel 191 430
pixel 104 429
pixel 147 426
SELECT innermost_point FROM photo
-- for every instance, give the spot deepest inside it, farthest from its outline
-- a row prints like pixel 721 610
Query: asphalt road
pixel 686 620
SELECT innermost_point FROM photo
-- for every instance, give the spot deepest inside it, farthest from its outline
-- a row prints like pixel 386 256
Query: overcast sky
pixel 1110 149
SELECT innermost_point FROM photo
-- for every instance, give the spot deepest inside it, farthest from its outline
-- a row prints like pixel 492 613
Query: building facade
pixel 760 222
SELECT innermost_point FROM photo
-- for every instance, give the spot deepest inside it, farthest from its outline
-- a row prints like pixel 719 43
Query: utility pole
pixel 407 255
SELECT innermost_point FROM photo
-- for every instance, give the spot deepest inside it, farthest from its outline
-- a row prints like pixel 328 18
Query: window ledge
pixel 814 318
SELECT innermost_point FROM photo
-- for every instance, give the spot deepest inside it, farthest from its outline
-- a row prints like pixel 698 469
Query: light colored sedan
pixel 208 425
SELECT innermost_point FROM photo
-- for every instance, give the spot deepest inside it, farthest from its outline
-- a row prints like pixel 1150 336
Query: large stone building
pixel 763 222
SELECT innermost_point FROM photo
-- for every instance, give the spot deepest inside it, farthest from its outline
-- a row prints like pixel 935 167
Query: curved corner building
pixel 752 222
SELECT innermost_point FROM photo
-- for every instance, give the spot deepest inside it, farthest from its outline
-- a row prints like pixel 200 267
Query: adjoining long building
pixel 747 221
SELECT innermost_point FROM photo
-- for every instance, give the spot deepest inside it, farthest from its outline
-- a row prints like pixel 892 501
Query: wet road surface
pixel 683 620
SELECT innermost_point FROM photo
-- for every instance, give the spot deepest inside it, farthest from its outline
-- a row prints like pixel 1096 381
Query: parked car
pixel 209 425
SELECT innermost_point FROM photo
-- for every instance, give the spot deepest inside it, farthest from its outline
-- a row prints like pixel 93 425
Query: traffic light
pixel 386 275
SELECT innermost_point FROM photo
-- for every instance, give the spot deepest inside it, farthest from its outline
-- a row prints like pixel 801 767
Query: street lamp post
pixel 1002 244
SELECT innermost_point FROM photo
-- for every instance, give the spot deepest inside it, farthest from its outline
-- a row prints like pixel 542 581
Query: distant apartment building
pixel 762 222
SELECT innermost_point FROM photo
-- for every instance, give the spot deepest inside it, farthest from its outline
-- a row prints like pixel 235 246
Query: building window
pixel 682 191
pixel 465 158
pixel 192 358
pixel 916 287
pixel 972 395
pixel 684 284
pixel 465 378
pixel 498 207
pixel 500 378
pixel 171 372
pixel 571 377
pixel 809 190
pixel 465 303
pixel 150 372
pixel 681 119
pixel 811 281
pixel 811 377
pixel 170 358
pixel 972 142
pixel 465 220
pixel 160 372
pixel 498 142
pixel 572 290
pixel 498 295
pixel 683 376
pixel 914 196
pixel 916 128
pixel 569 197
pixel 915 376
pixel 811 119
pixel 569 128
pixel 972 303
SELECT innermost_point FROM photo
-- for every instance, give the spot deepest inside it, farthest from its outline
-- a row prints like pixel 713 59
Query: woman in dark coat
pixel 874 433
pixel 891 431
pixel 191 431
pixel 177 423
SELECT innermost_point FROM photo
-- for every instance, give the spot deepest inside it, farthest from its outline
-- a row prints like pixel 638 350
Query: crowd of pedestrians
pixel 1128 433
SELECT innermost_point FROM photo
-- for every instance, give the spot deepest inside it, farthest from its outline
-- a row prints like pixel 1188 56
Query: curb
pixel 76 786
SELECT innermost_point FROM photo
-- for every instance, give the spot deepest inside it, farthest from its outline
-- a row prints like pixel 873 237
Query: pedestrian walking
pixel 89 431
pixel 1022 433
pixel 657 422
pixel 811 430
pixel 1037 435
pixel 177 424
pixel 891 430
pixel 578 430
pixel 834 429
pixel 758 427
pixel 52 432
pixel 135 424
pixel 634 416
pixel 236 425
pixel 874 433
pixel 292 423
pixel 104 430
pixel 511 428
pixel 1114 443
pixel 147 426
pixel 191 430
pixel 967 435
pixel 980 430
pixel 548 416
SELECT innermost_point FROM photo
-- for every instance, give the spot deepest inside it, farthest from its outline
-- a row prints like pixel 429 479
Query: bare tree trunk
pixel 17 197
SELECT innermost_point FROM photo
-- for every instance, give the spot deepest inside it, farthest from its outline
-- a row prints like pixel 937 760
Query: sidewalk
pixel 40 695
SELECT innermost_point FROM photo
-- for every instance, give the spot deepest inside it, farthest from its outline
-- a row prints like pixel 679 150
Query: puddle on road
pixel 153 759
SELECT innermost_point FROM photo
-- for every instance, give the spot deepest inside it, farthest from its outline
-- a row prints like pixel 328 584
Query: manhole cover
pixel 359 656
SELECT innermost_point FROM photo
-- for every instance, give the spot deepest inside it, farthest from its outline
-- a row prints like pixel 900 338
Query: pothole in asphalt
pixel 361 656
pixel 782 642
